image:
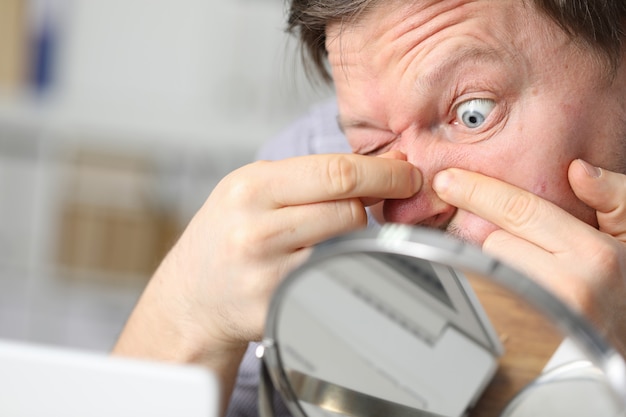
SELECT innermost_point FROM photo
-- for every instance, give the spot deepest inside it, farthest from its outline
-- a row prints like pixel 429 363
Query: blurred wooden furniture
pixel 529 340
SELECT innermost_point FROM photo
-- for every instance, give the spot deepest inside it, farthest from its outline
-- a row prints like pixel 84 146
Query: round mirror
pixel 407 321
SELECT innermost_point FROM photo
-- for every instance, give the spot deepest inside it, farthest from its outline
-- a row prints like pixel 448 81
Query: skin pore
pixel 471 85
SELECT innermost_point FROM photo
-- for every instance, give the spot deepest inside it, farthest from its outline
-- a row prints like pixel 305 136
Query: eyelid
pixel 480 100
pixel 373 146
pixel 377 151
pixel 464 100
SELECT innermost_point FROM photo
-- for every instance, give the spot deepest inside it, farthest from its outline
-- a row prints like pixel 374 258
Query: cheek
pixel 534 150
pixel 545 175
pixel 561 194
pixel 541 173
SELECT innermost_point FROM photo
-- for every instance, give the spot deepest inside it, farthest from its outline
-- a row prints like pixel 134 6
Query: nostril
pixel 440 220
pixel 425 210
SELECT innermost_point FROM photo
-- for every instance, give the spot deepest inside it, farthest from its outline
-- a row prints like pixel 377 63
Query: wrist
pixel 159 328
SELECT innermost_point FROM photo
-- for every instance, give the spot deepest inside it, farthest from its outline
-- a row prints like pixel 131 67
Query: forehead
pixel 399 46
pixel 409 23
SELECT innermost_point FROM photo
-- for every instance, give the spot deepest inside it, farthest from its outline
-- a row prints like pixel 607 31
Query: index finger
pixel 513 209
pixel 318 178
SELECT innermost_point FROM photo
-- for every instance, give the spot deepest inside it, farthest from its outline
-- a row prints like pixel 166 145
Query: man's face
pixel 490 86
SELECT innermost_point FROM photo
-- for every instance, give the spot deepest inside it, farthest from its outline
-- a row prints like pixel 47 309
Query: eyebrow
pixel 463 56
pixel 432 78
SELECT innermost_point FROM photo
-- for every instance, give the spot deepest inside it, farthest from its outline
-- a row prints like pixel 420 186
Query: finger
pixel 370 201
pixel 580 293
pixel 508 247
pixel 340 216
pixel 511 208
pixel 604 191
pixel 291 228
pixel 317 178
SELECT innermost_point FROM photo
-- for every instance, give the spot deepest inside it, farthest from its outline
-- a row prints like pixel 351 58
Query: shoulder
pixel 313 133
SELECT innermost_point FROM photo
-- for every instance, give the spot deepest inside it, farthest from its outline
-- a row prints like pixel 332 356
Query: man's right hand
pixel 210 295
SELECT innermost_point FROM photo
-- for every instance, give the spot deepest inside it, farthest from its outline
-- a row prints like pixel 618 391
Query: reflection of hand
pixel 586 267
pixel 209 296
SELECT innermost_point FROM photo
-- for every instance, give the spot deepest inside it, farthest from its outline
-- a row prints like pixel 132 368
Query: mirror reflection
pixel 393 332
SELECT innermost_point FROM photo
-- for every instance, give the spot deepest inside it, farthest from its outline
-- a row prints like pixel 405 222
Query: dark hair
pixel 598 23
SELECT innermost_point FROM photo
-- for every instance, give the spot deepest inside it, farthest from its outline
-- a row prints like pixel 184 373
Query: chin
pixel 470 228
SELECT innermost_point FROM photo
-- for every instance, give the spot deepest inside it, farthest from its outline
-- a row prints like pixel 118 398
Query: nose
pixel 424 208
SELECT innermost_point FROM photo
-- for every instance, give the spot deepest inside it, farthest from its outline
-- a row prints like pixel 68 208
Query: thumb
pixel 604 191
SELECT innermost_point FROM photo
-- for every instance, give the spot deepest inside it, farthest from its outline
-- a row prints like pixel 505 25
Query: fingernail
pixel 442 181
pixel 592 171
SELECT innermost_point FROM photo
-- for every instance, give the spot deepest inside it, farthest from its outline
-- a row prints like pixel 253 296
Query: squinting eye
pixel 473 113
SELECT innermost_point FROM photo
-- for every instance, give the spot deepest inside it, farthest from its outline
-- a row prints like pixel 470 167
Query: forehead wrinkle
pixel 406 30
pixel 396 25
pixel 433 78
pixel 386 23
pixel 346 53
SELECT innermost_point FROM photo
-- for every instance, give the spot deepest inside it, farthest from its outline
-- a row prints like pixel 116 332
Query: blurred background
pixel 117 118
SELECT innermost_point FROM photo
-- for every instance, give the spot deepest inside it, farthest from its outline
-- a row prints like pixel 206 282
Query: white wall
pixel 198 72
pixel 197 85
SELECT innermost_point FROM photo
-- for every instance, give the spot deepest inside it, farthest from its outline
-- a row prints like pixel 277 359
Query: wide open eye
pixel 473 113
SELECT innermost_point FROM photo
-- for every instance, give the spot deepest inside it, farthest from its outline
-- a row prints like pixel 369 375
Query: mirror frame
pixel 432 245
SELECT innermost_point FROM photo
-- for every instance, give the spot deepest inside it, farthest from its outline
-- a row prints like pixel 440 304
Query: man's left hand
pixel 584 266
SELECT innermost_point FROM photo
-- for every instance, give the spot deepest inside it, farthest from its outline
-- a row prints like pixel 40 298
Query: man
pixel 500 121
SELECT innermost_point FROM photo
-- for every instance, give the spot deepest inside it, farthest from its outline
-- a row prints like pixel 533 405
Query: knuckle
pixel 240 187
pixel 350 214
pixel 584 300
pixel 241 240
pixel 520 210
pixel 341 176
pixel 607 258
pixel 472 193
pixel 495 240
pixel 604 276
pixel 398 178
pixel 356 212
pixel 249 240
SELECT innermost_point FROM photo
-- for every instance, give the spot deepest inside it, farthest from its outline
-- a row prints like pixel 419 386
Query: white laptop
pixel 432 347
pixel 40 381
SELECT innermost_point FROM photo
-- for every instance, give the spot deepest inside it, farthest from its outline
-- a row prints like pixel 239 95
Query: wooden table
pixel 529 340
